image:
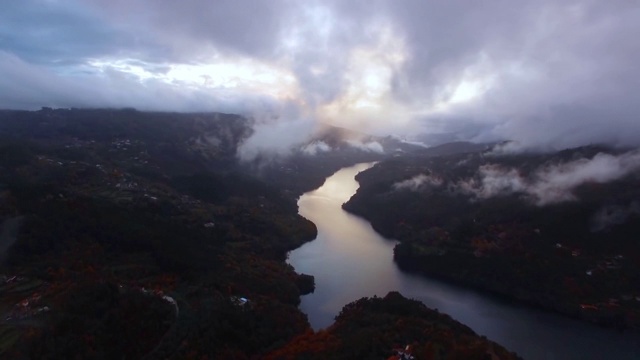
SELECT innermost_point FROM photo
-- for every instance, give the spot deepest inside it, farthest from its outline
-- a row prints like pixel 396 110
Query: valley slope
pixel 128 234
pixel 558 231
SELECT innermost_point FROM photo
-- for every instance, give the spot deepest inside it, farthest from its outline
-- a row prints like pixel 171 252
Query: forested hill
pixel 126 234
pixel 175 142
pixel 134 239
pixel 554 230
pixel 390 328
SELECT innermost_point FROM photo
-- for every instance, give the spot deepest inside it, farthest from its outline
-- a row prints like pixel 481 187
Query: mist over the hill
pixel 551 183
pixel 545 74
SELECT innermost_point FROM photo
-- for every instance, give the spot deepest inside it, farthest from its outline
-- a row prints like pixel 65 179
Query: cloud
pixel 368 146
pixel 316 147
pixel 610 216
pixel 554 183
pixel 559 76
pixel 545 74
pixel 194 27
pixel 414 143
pixel 29 86
pixel 418 182
pixel 494 180
pixel 551 184
pixel 275 138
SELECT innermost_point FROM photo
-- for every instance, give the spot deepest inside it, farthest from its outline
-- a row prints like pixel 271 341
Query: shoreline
pixel 611 322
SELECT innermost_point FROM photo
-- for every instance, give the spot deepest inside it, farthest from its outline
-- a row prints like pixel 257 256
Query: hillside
pixel 126 234
pixel 552 230
pixel 134 240
pixel 388 328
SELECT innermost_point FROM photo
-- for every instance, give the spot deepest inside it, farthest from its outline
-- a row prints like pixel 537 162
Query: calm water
pixel 350 260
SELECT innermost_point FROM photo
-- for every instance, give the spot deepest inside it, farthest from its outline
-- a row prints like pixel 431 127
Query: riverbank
pixel 365 327
pixel 541 256
pixel 120 199
pixel 350 260
pixel 382 327
pixel 438 265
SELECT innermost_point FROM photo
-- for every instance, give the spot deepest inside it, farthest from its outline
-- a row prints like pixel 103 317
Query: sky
pixel 546 74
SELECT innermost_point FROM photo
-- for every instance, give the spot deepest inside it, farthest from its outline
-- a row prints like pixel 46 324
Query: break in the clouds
pixel 545 74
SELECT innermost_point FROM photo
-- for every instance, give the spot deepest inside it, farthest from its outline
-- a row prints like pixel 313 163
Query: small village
pixel 29 296
pixel 34 303
pixel 402 354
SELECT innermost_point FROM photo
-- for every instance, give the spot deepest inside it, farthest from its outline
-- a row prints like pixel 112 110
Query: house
pixel 613 302
pixel 239 301
pixel 588 307
pixel 173 302
pixel 402 354
pixel 43 309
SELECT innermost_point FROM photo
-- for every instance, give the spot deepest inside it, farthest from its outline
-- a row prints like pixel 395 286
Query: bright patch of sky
pixel 244 75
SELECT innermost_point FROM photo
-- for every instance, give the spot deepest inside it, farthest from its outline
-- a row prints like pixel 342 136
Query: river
pixel 350 260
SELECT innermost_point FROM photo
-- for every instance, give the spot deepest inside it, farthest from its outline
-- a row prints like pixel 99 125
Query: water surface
pixel 350 260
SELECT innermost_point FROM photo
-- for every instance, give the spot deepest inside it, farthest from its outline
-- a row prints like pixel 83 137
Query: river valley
pixel 350 260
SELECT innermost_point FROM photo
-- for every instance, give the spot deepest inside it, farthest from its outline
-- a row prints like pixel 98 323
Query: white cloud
pixel 316 147
pixel 554 183
pixel 418 182
pixel 275 138
pixel 551 183
pixel 368 146
pixel 494 180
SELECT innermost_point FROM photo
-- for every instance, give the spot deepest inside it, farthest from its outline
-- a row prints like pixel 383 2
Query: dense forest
pixel 127 234
pixel 553 230
pixel 132 242
pixel 381 328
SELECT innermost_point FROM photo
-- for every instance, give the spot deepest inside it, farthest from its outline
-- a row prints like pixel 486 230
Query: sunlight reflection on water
pixel 350 260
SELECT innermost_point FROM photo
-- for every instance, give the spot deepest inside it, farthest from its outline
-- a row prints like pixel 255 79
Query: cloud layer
pixel 551 183
pixel 545 74
pixel 418 182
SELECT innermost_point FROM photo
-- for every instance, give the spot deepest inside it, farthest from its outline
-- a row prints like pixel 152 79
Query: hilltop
pixel 389 327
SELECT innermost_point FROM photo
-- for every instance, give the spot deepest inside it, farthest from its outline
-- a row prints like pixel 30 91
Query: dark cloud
pixel 192 27
pixel 560 73
pixel 63 33
pixel 546 74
